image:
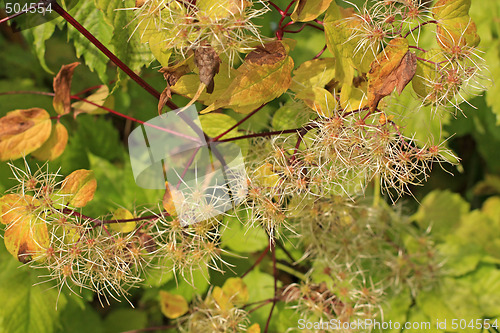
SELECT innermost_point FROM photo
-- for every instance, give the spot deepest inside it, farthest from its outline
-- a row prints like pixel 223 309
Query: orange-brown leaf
pixel 22 132
pixel 62 88
pixel 169 200
pixel 393 68
pixel 80 185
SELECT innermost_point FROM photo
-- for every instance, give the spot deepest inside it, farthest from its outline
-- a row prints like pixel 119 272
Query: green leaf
pixel 340 42
pixel 126 45
pixel 78 316
pixel 214 124
pixel 198 285
pixel 86 13
pixel 238 239
pixel 125 320
pixel 485 284
pixel 442 211
pixel 40 34
pixel 101 138
pixel 293 114
pixel 26 308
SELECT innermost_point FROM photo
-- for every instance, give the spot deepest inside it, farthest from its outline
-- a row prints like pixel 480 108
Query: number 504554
pixel 14 8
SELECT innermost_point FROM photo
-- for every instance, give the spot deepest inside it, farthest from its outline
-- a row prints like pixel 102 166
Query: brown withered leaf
pixel 208 63
pixel 171 74
pixel 267 54
pixel 393 68
pixel 62 88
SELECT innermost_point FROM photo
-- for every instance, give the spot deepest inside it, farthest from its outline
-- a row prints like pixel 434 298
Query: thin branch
pixel 58 9
pixel 238 123
pixel 257 262
pixel 275 274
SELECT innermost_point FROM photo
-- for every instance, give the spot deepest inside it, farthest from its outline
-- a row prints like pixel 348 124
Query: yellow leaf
pixel 100 97
pixel 222 300
pixel 353 98
pixel 62 88
pixel 220 9
pixel 22 132
pixel 188 84
pixel 455 28
pixel 14 206
pixel 172 306
pixel 349 51
pixel 123 214
pixel 320 100
pixel 265 176
pixel 308 10
pixel 255 328
pixel 171 197
pixel 236 290
pixel 264 76
pixel 54 146
pixel 81 185
pixel 313 73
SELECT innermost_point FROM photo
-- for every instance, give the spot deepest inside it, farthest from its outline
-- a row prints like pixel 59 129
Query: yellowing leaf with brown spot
pixel 62 88
pixel 222 300
pixel 27 238
pixel 172 306
pixel 320 100
pixel 264 75
pixel 22 132
pixel 393 68
pixel 236 290
pixel 26 235
pixel 308 10
pixel 54 146
pixel 313 73
pixel 81 186
pixel 123 214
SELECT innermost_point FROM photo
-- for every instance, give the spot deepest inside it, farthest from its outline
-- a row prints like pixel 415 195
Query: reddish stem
pixel 238 123
pixel 257 262
pixel 58 9
pixel 275 274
